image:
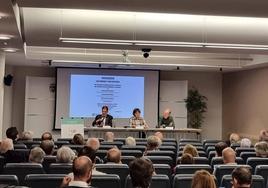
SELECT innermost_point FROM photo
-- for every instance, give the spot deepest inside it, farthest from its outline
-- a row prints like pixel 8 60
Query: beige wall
pixel 209 84
pixel 245 102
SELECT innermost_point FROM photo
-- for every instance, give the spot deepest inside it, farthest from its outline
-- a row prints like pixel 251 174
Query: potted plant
pixel 196 105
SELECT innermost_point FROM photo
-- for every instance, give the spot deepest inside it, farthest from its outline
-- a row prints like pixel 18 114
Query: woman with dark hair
pixel 136 121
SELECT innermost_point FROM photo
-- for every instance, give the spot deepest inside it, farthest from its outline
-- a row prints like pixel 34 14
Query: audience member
pixel 114 156
pixel 141 172
pixel 203 179
pixel 13 134
pixel 159 135
pixel 11 156
pixel 245 143
pixel 94 143
pixel 229 156
pixel 26 136
pixel 190 149
pixel 78 139
pixel 82 173
pixel 219 147
pixel 130 141
pixel 47 146
pixel 109 136
pixel 261 149
pixel 153 143
pixel 47 136
pixel 187 158
pixel 36 155
pixel 241 177
pixel 263 135
pixel 65 155
pixel 234 138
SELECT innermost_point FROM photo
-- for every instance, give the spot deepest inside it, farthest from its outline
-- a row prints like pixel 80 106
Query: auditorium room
pixel 133 94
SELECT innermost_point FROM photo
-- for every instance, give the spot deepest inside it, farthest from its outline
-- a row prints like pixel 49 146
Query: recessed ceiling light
pixel 11 50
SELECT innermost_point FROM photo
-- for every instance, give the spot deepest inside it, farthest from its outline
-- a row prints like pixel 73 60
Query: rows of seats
pixel 164 160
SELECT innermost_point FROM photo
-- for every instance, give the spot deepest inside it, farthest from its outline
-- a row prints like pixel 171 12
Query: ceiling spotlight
pixel 146 52
pixel 11 50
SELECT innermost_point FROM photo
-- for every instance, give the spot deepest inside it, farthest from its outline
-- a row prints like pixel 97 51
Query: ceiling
pixel 35 27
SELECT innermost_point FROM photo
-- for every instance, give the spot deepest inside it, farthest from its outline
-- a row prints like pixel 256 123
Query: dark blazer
pixel 108 122
pixel 12 156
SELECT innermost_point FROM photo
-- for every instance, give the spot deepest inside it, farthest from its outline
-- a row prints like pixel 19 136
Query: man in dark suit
pixel 103 119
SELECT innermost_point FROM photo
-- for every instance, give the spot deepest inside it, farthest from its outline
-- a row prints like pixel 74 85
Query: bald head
pixel 109 136
pixel 82 169
pixel 94 143
pixel 166 113
pixel 228 155
pixel 114 156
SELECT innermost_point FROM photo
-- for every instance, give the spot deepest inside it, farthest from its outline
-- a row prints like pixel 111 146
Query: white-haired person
pixel 130 141
pixel 261 149
pixel 65 155
pixel 245 143
pixel 37 155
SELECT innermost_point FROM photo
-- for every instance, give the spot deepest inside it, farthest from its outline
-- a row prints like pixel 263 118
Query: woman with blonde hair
pixel 203 179
pixel 190 149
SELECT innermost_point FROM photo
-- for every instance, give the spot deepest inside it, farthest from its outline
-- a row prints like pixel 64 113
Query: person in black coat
pixel 103 119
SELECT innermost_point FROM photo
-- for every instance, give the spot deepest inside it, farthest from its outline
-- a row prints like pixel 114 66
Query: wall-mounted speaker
pixel 8 80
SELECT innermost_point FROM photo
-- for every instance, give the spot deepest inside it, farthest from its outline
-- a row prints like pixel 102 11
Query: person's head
pixel 263 135
pixel 94 143
pixel 65 155
pixel 89 152
pixel 234 138
pixel 153 142
pixel 203 179
pixel 46 136
pixel 166 113
pixel 245 143
pixel 78 139
pixel 136 112
pixel 190 149
pixel 109 136
pixel 27 135
pixel 159 135
pixel 241 177
pixel 47 146
pixel 82 169
pixel 5 145
pixel 104 110
pixel 219 147
pixel 12 133
pixel 130 141
pixel 114 156
pixel 261 149
pixel 141 172
pixel 187 158
pixel 36 155
pixel 228 155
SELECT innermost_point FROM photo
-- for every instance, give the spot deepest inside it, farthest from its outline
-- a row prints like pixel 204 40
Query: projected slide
pixel 88 93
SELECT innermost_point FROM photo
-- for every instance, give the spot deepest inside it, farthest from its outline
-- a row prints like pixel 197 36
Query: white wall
pixel 208 83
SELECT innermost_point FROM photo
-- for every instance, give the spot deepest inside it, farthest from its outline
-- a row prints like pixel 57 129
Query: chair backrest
pixel 44 180
pixel 104 181
pixel 60 168
pixel 192 168
pixel 47 161
pixel 101 153
pixel 168 148
pixel 65 139
pixel 169 144
pixel 115 143
pixel 135 153
pixel 196 144
pixel 20 146
pixel 209 149
pixel 211 155
pixel 262 170
pixel 182 180
pixel 141 143
pixel 127 159
pixel 199 148
pixel 235 145
pixel 221 170
pixel 141 148
pixel 197 160
pixel 255 161
pixel 239 150
pixel 11 180
pixel 246 155
pixel 120 140
pixel 158 181
pixel 106 147
pixel 219 161
pixel 61 143
pixel 200 153
pixel 23 169
pixel 257 181
pixel 163 169
pixel 189 140
pixel 121 170
pixel 161 160
pixel 74 147
pixel 162 153
pixel 29 143
pixel 2 163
